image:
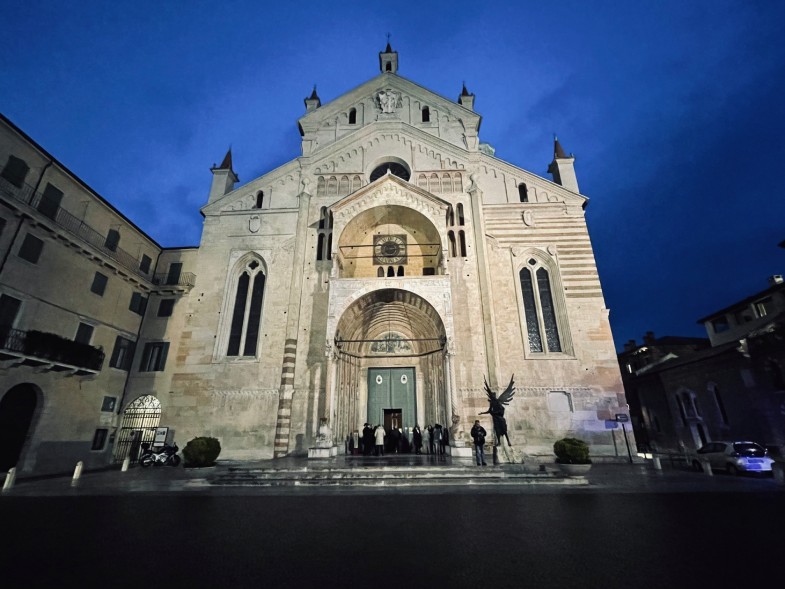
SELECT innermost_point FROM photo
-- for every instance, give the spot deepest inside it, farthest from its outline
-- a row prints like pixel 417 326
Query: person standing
pixel 478 435
pixel 429 436
pixel 379 434
pixel 417 439
pixel 436 439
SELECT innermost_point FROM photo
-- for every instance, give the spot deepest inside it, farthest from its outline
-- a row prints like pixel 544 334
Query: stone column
pixel 486 292
pixel 292 328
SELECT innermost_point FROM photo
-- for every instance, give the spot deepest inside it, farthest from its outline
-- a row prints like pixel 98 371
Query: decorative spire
pixel 466 99
pixel 312 102
pixel 388 59
pixel 226 164
pixel 558 152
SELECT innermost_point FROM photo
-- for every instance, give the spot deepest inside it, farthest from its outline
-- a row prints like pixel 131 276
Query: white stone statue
pixel 388 101
pixel 324 437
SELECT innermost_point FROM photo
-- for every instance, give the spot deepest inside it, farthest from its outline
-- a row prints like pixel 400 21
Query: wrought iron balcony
pixel 54 352
pixel 73 225
pixel 182 279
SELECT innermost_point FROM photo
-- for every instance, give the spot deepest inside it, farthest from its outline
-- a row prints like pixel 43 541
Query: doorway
pixel 16 415
pixel 392 397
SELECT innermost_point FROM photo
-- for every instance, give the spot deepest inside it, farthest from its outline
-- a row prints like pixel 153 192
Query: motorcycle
pixel 165 455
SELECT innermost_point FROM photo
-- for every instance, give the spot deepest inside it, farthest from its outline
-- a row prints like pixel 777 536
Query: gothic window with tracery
pixel 540 312
pixel 247 311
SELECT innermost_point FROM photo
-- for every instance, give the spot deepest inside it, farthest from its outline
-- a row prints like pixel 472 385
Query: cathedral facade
pixel 383 276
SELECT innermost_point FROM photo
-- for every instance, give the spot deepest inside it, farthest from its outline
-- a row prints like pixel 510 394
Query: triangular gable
pixel 388 190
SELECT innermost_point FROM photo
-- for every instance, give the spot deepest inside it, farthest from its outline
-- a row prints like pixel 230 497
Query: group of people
pixel 376 440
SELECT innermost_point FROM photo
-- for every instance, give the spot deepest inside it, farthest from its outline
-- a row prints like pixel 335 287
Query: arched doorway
pixel 140 420
pixel 390 363
pixel 17 408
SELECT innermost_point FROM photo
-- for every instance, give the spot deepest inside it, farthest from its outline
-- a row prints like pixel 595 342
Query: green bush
pixel 571 451
pixel 201 451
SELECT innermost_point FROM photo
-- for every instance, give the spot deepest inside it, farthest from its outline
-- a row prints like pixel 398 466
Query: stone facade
pixel 396 241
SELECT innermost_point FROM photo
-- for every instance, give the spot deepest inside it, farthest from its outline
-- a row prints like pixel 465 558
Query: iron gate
pixel 140 420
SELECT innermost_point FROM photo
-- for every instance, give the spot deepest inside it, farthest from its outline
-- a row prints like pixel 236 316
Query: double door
pixel 392 399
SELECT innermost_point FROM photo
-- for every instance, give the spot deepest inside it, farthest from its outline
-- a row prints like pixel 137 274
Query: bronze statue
pixel 497 409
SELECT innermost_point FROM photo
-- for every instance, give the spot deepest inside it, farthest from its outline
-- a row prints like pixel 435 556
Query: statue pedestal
pixel 461 451
pixel 328 452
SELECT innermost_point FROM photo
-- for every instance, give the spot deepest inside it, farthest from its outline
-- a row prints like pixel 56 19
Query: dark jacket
pixel 478 435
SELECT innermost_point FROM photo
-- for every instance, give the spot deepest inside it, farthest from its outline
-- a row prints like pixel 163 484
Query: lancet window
pixel 324 240
pixel 246 310
pixel 542 325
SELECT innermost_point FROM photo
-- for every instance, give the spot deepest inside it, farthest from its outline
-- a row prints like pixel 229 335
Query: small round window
pixel 395 168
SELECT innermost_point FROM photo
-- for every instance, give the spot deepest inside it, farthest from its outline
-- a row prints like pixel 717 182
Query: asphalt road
pixel 376 541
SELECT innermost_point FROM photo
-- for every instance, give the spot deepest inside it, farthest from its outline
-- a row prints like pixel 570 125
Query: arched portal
pixel 390 360
pixel 389 235
pixel 140 420
pixel 17 408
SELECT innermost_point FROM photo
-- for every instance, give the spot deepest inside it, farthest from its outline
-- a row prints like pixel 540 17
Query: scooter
pixel 166 455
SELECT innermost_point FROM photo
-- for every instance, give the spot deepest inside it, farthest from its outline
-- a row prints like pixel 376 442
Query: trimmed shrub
pixel 201 451
pixel 571 451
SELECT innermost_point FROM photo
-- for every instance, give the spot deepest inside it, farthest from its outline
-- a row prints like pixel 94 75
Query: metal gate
pixel 140 419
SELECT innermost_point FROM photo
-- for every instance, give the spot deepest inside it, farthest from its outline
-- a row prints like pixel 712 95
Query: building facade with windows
pixel 382 276
pixel 684 393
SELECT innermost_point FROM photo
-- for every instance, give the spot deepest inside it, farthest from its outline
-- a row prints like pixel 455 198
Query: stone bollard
pixel 656 462
pixel 126 464
pixel 10 478
pixel 706 466
pixel 77 474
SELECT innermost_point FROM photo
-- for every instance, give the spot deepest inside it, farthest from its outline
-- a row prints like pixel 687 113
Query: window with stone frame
pixel 123 353
pixel 543 324
pixel 246 314
pixel 154 357
pixel 15 171
pixel 31 248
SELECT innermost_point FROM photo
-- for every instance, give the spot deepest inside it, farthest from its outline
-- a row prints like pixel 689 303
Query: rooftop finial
pixel 388 49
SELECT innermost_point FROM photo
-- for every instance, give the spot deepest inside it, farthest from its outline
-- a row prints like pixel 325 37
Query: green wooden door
pixel 391 388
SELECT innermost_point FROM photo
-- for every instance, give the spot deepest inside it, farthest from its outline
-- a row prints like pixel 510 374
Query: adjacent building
pixel 684 392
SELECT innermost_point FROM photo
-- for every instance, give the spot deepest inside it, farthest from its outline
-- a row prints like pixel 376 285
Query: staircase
pixel 391 471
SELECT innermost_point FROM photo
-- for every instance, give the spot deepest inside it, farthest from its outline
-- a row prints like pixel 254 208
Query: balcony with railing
pixel 48 351
pixel 73 225
pixel 182 279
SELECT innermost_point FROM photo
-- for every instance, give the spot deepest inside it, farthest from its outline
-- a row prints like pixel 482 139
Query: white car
pixel 735 457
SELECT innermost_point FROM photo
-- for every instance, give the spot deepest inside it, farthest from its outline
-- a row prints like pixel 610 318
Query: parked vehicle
pixel 734 457
pixel 164 455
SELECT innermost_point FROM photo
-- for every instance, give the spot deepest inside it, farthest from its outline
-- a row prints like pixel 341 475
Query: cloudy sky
pixel 674 110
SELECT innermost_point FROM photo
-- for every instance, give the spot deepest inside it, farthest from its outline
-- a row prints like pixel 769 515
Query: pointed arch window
pixel 259 199
pixel 426 114
pixel 247 311
pixel 542 325
pixel 462 241
pixel 353 116
pixel 459 209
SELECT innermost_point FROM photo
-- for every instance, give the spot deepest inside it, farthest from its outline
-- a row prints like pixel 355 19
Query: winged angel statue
pixel 497 409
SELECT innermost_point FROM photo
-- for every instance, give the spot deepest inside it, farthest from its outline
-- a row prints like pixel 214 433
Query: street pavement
pixel 630 526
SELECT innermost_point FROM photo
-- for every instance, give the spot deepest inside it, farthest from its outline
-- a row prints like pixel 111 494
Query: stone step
pixel 384 476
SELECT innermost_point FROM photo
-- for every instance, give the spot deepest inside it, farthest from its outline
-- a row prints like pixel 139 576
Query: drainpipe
pixel 138 336
pixel 21 221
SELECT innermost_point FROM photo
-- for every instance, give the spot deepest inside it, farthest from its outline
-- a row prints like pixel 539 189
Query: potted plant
pixel 572 456
pixel 201 451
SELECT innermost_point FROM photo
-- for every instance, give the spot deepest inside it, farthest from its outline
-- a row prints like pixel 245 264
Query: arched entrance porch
pixel 389 364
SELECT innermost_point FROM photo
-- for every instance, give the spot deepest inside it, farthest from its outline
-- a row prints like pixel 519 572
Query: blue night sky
pixel 673 109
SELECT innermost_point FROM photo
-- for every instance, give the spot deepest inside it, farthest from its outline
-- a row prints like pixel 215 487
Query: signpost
pixel 623 418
